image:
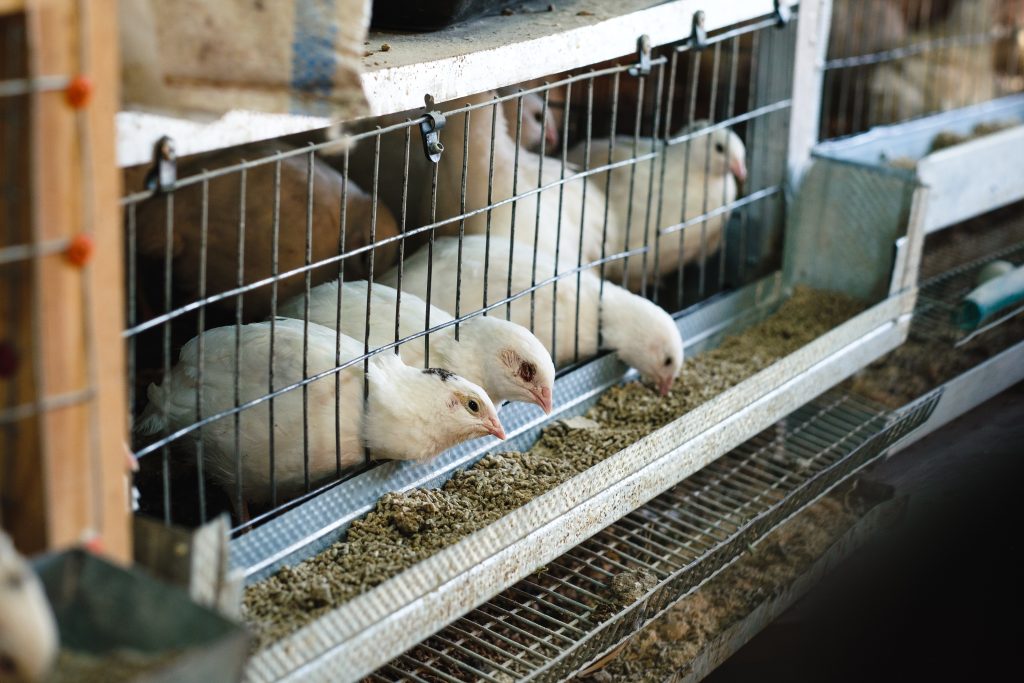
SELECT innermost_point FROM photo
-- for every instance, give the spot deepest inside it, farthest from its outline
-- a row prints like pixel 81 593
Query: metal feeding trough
pixel 102 609
pixel 963 180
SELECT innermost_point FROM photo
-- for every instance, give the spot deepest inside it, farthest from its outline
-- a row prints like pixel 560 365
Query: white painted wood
pixel 972 178
pixel 497 51
pixel 808 74
pixel 137 131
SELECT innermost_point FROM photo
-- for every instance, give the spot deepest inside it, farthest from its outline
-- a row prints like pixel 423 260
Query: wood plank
pixel 61 358
pixel 107 280
pixel 76 190
pixel 22 511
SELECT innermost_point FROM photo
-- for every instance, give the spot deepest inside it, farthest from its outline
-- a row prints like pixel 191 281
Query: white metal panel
pixel 972 178
pixel 497 51
pixel 808 76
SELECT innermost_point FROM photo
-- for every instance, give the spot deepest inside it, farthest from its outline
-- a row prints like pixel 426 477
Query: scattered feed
pixel 409 527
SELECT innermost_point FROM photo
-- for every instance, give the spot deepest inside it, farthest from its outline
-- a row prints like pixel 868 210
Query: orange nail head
pixel 79 250
pixel 78 92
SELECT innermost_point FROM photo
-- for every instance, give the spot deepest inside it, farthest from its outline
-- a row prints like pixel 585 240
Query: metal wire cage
pixel 893 60
pixel 223 241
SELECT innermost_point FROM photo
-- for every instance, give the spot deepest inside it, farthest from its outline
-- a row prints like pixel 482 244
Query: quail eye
pixel 527 371
pixel 473 406
pixel 719 147
pixel 668 361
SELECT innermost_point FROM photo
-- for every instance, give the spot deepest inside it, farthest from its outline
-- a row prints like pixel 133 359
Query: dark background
pixel 936 598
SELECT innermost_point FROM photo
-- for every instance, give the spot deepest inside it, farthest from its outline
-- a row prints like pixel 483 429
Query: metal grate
pixel 892 61
pixel 552 623
pixel 223 248
pixel 940 297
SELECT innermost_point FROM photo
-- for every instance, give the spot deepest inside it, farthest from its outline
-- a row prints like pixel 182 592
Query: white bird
pixel 410 414
pixel 504 358
pixel 642 333
pixel 537 124
pixel 700 176
pixel 566 209
pixel 28 632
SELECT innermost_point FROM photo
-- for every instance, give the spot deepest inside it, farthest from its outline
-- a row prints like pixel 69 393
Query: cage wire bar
pixel 941 295
pixel 552 623
pixel 679 95
pixel 62 464
pixel 890 61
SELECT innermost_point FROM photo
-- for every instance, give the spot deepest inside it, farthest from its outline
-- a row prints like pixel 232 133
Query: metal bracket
pixel 783 12
pixel 164 172
pixel 643 53
pixel 431 131
pixel 698 36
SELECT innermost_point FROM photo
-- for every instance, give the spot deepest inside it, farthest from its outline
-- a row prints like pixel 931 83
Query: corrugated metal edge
pixel 366 632
pixel 968 390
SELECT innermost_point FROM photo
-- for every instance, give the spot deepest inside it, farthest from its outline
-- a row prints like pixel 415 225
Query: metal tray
pixel 101 607
pixel 964 181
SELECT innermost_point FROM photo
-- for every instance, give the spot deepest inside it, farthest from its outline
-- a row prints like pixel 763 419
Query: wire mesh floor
pixel 552 623
pixel 940 297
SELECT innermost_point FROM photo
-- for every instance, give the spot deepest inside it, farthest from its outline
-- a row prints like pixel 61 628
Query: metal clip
pixel 164 172
pixel 431 131
pixel 698 37
pixel 783 12
pixel 643 52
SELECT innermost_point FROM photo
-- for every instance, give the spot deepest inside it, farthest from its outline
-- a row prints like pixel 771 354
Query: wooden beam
pixel 22 500
pixel 80 309
pixel 11 6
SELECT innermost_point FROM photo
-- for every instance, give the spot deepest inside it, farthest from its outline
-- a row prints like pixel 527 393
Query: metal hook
pixel 643 50
pixel 698 36
pixel 164 172
pixel 783 12
pixel 431 131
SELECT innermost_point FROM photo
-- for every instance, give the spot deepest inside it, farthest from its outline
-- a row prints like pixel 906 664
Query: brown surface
pixel 21 483
pixel 224 214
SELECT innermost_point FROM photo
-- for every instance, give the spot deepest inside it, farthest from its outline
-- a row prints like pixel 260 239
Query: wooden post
pixel 76 358
pixel 808 76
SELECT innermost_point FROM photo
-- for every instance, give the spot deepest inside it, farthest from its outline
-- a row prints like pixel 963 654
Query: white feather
pixel 489 352
pixel 643 334
pixel 565 210
pixel 28 632
pixel 697 179
pixel 409 414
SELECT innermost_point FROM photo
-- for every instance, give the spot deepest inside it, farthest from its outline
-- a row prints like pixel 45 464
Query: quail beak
pixel 542 397
pixel 551 135
pixel 665 385
pixel 738 169
pixel 494 427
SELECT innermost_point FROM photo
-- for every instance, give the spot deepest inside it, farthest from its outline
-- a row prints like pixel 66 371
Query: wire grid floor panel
pixel 893 61
pixel 552 623
pixel 224 248
pixel 941 296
